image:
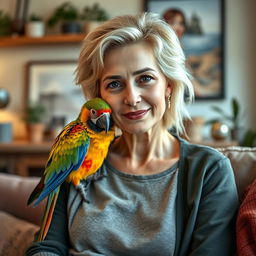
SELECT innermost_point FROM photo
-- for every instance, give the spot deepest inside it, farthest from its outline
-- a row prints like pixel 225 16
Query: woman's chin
pixel 134 130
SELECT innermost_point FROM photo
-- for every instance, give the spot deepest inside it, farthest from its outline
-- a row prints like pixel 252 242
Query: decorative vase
pixel 4 98
pixel 220 131
pixel 71 28
pixel 5 132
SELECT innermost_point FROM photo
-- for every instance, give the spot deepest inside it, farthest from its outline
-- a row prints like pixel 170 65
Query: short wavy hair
pixel 127 29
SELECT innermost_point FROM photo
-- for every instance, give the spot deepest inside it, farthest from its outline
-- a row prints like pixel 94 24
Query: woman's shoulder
pixel 199 159
pixel 199 151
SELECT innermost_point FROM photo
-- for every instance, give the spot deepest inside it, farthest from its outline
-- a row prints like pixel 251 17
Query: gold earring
pixel 169 101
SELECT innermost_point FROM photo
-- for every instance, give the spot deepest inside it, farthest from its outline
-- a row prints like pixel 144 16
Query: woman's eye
pixel 114 85
pixel 145 79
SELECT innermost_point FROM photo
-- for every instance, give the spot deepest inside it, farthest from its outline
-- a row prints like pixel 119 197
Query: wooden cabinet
pixel 19 156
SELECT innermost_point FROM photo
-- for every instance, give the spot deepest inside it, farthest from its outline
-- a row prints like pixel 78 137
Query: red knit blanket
pixel 246 224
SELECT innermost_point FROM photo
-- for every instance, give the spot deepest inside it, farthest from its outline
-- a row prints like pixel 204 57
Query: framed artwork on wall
pixel 199 25
pixel 51 83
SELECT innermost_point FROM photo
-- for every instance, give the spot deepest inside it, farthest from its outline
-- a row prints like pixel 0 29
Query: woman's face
pixel 177 23
pixel 134 87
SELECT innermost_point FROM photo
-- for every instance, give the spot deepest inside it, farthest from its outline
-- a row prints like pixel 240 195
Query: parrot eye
pixel 93 113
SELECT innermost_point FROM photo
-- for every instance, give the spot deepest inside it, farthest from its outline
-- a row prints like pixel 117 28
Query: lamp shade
pixel 4 98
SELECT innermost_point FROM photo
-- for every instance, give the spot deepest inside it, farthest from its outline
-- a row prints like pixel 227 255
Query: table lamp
pixel 5 127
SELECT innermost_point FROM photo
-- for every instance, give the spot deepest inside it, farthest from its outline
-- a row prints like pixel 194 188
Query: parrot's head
pixel 97 114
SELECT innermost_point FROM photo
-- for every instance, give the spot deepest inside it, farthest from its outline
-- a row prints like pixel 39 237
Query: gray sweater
pixel 188 209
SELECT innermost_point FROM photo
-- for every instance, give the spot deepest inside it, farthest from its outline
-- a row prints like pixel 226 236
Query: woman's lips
pixel 136 114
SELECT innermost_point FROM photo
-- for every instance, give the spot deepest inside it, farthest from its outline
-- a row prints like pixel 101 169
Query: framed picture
pixel 51 83
pixel 199 24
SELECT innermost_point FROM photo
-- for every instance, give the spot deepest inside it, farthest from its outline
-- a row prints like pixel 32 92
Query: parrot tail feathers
pixel 50 206
pixel 36 192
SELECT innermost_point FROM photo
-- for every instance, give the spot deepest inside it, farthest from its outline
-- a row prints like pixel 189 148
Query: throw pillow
pixel 15 235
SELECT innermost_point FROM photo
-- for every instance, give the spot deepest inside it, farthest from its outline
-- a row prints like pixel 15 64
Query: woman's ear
pixel 168 90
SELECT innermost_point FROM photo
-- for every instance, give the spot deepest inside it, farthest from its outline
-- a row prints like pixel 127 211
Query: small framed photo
pixel 51 83
pixel 199 24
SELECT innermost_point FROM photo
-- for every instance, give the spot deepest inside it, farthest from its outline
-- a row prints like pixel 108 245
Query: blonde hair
pixel 169 55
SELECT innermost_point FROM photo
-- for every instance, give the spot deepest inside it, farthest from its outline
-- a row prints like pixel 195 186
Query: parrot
pixel 77 152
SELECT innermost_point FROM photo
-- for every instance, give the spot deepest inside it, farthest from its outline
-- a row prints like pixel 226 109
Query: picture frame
pixel 52 84
pixel 202 40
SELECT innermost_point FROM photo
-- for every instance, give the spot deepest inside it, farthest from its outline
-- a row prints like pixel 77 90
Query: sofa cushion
pixel 14 191
pixel 243 161
pixel 16 235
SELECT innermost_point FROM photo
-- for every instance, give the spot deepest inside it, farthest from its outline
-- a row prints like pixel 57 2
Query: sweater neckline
pixel 140 176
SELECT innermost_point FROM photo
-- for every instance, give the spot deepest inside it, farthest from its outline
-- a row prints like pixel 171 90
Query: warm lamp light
pixel 5 127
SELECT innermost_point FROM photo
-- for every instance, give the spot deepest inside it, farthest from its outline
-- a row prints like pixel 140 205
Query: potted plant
pixel 35 26
pixel 5 24
pixel 232 119
pixel 35 114
pixel 93 16
pixel 249 139
pixel 68 15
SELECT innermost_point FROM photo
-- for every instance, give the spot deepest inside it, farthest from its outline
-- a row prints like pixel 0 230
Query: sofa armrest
pixel 243 161
pixel 14 191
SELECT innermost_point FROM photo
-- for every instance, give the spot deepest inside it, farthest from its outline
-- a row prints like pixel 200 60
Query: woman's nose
pixel 132 95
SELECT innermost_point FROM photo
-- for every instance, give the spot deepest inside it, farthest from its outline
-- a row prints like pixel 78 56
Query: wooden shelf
pixel 46 40
pixel 24 147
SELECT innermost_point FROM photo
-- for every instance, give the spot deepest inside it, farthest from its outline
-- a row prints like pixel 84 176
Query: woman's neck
pixel 143 151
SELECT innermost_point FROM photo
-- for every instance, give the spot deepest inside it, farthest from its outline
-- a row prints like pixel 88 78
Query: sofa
pixel 19 222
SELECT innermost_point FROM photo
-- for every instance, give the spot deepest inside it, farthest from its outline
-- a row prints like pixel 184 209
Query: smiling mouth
pixel 136 115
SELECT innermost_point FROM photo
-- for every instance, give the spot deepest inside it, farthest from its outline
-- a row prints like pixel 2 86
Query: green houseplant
pixel 35 17
pixel 93 16
pixel 231 119
pixel 249 139
pixel 35 26
pixel 35 114
pixel 5 24
pixel 66 14
pixel 94 13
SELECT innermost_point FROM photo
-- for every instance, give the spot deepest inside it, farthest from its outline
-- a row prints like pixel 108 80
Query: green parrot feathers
pixel 65 150
pixel 97 104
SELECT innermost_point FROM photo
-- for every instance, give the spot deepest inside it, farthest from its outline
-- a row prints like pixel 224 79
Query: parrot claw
pixel 80 188
pixel 99 177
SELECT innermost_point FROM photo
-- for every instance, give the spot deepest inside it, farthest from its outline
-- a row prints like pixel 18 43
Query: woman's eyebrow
pixel 142 71
pixel 137 72
pixel 111 77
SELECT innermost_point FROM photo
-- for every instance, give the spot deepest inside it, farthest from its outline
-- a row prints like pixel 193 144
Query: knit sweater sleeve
pixel 56 242
pixel 207 203
pixel 214 232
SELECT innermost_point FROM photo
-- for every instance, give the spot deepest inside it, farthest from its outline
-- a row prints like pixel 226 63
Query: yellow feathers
pixel 99 143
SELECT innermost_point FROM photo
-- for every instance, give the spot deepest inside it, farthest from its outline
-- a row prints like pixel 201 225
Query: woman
pixel 158 194
pixel 177 20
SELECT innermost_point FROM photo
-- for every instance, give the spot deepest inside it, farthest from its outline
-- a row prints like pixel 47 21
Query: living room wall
pixel 240 58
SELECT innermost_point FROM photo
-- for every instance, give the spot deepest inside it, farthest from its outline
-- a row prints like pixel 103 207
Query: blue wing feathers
pixel 59 175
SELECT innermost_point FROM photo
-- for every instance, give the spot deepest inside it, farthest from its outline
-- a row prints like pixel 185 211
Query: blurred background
pixel 39 46
pixel 34 58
